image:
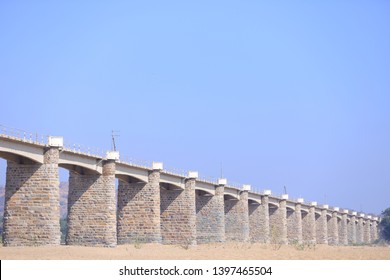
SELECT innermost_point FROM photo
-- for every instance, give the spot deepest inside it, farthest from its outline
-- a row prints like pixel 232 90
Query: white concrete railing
pixel 21 135
pixel 136 162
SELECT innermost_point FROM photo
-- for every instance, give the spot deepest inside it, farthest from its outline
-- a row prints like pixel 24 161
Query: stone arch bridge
pixel 152 205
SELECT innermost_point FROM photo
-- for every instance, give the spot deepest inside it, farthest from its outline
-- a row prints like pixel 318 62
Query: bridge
pixel 152 205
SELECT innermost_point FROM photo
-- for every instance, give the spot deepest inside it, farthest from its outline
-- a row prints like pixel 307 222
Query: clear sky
pixel 283 93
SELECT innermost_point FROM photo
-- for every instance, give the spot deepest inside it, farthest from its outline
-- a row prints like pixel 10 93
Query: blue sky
pixel 282 93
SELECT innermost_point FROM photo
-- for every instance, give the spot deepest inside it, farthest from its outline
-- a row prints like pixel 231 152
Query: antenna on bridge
pixel 221 171
pixel 113 135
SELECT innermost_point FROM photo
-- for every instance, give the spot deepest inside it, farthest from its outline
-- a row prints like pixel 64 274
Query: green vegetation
pixel 385 224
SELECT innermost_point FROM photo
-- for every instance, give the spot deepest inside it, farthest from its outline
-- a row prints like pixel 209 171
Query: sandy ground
pixel 227 251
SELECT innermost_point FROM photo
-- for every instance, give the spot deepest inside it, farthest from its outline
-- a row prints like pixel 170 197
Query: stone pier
pixel 343 229
pixel 360 230
pixel 210 218
pixel 256 222
pixel 294 224
pixel 178 213
pixel 374 231
pixel 139 210
pixel 309 225
pixel 261 234
pixel 367 231
pixel 92 207
pixel 237 218
pixel 278 223
pixel 32 208
pixel 352 229
pixel 333 231
pixel 322 226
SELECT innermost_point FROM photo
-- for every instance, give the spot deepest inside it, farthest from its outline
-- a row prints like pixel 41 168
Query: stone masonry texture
pixel 178 215
pixel 32 210
pixel 309 227
pixel 92 208
pixel 264 233
pixel 360 231
pixel 367 232
pixel 294 224
pixel 278 224
pixel 322 228
pixel 259 221
pixel 210 218
pixel 139 211
pixel 352 231
pixel 333 231
pixel 237 218
pixel 374 231
pixel 343 230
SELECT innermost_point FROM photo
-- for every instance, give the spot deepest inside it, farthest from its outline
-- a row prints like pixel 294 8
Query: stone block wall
pixel 309 227
pixel 360 231
pixel 294 225
pixel 352 231
pixel 92 208
pixel 32 209
pixel 139 211
pixel 265 219
pixel 343 230
pixel 333 230
pixel 374 231
pixel 210 218
pixel 278 224
pixel 237 218
pixel 178 215
pixel 367 232
pixel 259 221
pixel 322 227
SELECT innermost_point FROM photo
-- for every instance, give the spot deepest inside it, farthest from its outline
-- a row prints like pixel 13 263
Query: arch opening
pixel 80 170
pixel 17 158
pixel 227 197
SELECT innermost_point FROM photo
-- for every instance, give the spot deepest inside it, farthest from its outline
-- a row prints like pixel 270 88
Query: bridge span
pixel 153 205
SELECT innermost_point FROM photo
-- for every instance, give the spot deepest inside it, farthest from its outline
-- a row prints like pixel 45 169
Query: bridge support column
pixel 32 209
pixel 263 232
pixel 352 229
pixel 309 226
pixel 360 230
pixel 139 210
pixel 178 215
pixel 367 232
pixel 210 216
pixel 259 221
pixel 278 224
pixel 322 226
pixel 294 224
pixel 92 208
pixel 333 231
pixel 373 231
pixel 343 229
pixel 237 218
